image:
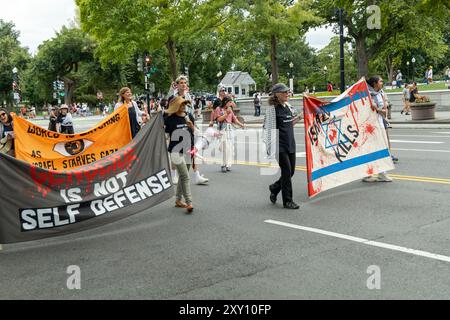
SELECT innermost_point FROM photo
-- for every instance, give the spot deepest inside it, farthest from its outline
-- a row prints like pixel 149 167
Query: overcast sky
pixel 38 20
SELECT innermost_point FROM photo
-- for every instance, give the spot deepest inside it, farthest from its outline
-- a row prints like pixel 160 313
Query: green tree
pixel 128 26
pixel 272 21
pixel 410 18
pixel 12 55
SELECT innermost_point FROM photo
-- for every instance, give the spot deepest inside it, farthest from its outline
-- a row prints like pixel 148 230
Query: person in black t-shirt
pixel 284 120
pixel 180 128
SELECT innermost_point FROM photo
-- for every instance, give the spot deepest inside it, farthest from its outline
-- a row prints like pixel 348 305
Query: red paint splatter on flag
pixel 370 129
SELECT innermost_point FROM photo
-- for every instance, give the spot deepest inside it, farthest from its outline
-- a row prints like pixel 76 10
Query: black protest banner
pixel 38 203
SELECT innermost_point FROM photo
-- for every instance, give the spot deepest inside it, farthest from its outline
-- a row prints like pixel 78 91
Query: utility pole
pixel 340 12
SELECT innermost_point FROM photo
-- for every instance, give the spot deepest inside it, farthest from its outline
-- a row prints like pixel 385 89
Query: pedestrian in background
pixel 406 96
pixel 281 116
pixel 430 75
pixel 399 79
pixel 257 104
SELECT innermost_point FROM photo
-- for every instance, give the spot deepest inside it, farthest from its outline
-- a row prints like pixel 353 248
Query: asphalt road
pixel 228 250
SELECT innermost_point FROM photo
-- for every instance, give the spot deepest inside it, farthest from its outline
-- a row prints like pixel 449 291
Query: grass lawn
pixel 424 87
pixel 421 86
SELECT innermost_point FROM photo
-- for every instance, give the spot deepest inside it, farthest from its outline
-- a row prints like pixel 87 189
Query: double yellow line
pixel 303 168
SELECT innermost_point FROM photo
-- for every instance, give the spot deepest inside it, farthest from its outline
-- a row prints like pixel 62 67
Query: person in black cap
pixel 282 117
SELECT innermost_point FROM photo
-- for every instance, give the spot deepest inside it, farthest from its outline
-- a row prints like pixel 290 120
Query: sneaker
pixel 372 178
pixel 224 169
pixel 394 159
pixel 228 168
pixel 200 180
pixel 189 208
pixel 383 177
pixel 291 205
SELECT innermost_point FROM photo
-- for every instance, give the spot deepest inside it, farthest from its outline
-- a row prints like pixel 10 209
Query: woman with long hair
pixel 6 132
pixel 282 117
pixel 135 115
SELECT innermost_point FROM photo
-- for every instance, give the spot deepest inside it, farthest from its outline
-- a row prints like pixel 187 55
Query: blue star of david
pixel 336 124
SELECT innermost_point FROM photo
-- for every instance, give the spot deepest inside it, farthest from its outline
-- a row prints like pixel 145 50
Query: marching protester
pixel 281 116
pixel 180 89
pixel 6 133
pixel 405 97
pixel 217 103
pixel 375 85
pixel 135 115
pixel 64 120
pixel 225 118
pixel 53 117
pixel 179 149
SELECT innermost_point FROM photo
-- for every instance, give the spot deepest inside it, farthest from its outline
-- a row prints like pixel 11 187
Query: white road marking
pixel 442 132
pixel 418 142
pixel 364 241
pixel 421 150
pixel 300 154
pixel 417 136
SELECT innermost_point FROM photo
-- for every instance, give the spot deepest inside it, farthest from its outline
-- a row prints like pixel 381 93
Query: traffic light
pixel 55 86
pixel 61 85
pixel 148 59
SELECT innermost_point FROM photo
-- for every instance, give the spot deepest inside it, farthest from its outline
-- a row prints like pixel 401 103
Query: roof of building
pixel 237 77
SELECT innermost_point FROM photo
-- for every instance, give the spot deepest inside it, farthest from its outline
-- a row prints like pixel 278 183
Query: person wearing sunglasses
pixel 6 132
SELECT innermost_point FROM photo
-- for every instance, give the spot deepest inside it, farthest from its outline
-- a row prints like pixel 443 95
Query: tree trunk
pixel 362 57
pixel 69 88
pixel 389 68
pixel 273 58
pixel 170 45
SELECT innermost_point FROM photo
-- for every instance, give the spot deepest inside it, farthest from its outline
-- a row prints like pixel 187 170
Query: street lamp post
pixel 16 86
pixel 291 79
pixel 414 68
pixel 325 69
pixel 341 13
pixel 407 63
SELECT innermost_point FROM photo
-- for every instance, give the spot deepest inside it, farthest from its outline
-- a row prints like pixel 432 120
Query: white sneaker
pixel 372 178
pixel 198 179
pixel 383 177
